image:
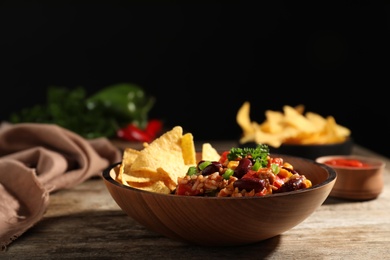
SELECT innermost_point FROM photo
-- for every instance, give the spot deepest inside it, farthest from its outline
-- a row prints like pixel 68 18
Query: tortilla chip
pixel 171 182
pixel 146 174
pixel 243 118
pixel 300 108
pixel 128 157
pixel 209 153
pixel 297 120
pixel 157 186
pixel 131 178
pixel 274 122
pixel 154 155
pixel 164 152
pixel 188 149
pixel 120 174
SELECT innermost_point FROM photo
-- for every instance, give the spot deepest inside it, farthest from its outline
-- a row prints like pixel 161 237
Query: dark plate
pixel 310 151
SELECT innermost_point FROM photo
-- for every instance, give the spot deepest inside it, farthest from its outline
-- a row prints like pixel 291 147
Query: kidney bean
pixel 249 184
pixel 211 168
pixel 243 167
pixel 292 184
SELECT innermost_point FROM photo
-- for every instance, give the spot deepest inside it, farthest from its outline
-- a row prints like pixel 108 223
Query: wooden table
pixel 85 222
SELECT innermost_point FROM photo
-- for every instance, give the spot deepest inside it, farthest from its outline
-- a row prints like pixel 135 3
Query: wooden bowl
pixel 213 221
pixel 355 183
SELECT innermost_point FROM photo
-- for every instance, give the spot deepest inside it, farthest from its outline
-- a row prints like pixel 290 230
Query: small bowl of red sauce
pixel 358 177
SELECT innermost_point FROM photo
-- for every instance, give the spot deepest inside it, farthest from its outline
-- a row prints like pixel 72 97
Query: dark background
pixel 202 61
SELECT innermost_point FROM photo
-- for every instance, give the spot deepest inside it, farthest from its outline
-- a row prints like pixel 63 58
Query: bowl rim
pixel 373 163
pixel 332 177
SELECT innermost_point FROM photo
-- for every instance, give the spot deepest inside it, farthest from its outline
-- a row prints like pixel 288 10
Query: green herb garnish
pixel 260 154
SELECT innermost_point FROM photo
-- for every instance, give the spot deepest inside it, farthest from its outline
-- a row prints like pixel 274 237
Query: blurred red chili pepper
pixel 154 127
pixel 132 133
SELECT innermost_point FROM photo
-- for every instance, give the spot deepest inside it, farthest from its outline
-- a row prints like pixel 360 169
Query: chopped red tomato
pixel 276 160
pixel 250 174
pixel 186 189
pixel 278 182
pixel 224 158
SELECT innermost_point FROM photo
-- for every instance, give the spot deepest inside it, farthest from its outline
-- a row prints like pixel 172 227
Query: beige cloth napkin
pixel 39 159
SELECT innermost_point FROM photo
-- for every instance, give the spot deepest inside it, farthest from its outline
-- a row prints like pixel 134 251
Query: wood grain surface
pixel 85 222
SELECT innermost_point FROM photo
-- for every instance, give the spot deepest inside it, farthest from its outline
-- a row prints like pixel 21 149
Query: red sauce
pixel 346 162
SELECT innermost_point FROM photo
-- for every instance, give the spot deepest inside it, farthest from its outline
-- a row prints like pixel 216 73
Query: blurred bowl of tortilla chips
pixel 295 132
